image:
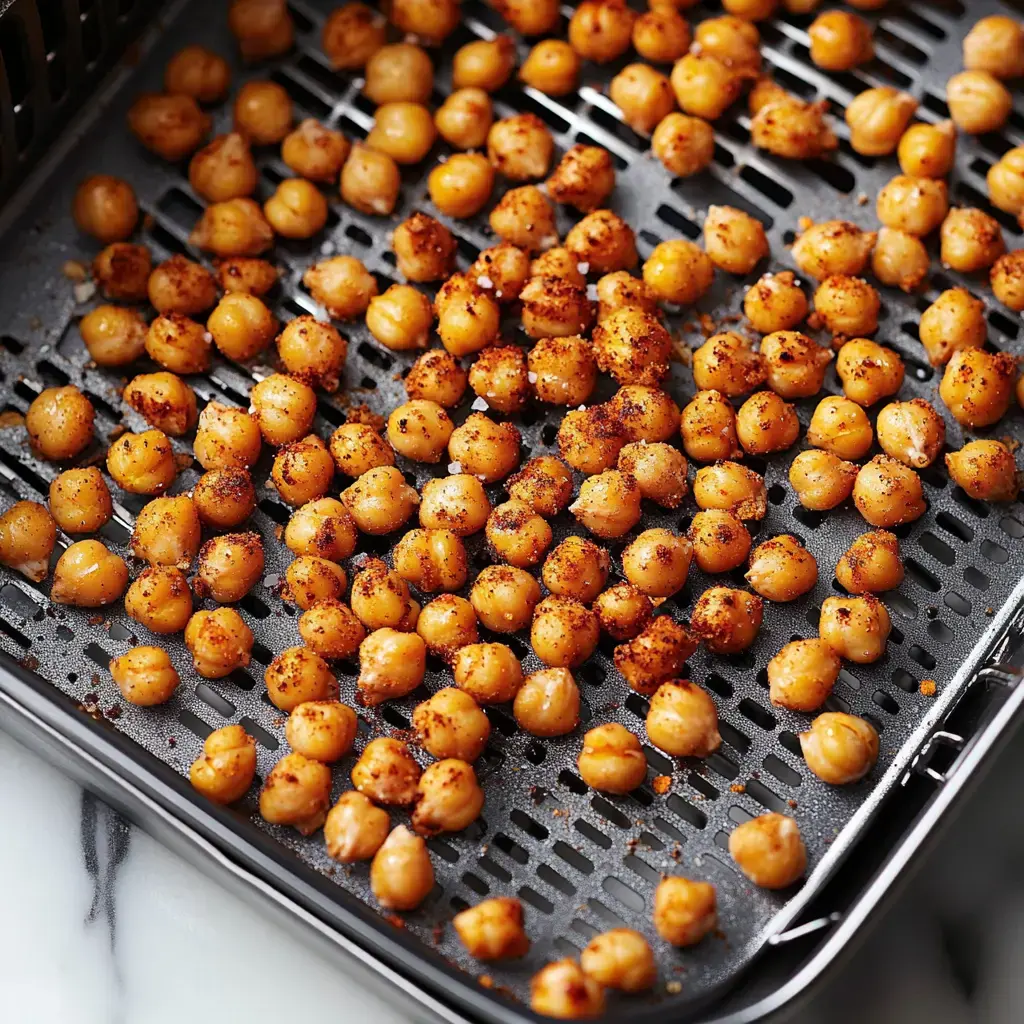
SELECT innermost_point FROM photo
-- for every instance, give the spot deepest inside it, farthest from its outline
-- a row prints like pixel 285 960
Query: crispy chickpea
pixel 768 850
pixel 765 423
pixel 484 449
pixel 484 63
pixel 436 377
pixel 223 169
pixel 310 579
pixel 456 503
pixel 590 439
pixel 520 147
pixel 601 30
pixel 659 469
pixel 493 929
pixel 468 319
pixel 297 209
pixel 113 335
pixel 548 703
pixel 401 318
pixel 623 611
pixel 315 151
pixel 633 346
pixel 380 598
pixel 450 724
pixel 732 488
pixel 517 534
pixel 446 624
pixel 145 676
pixel 684 144
pixel 621 290
pixel 352 34
pixel 684 911
pixel 871 564
pixel 900 259
pixel 172 127
pixel 792 128
pixel 658 562
pixel 122 270
pixel 429 20
pixel 840 427
pixel 357 448
pixel 530 17
pixel 1007 279
pixel 167 532
pixel 682 720
pixel 543 484
pixel 224 498
pixel 241 326
pixel 229 567
pixel 502 271
pixel 584 178
pixel 298 675
pixel 224 771
pixel 302 471
pixel 704 86
pixel 59 423
pixel 420 430
pixel 869 371
pixel 342 285
pixel 977 386
pixel 331 629
pixel 403 131
pixel 263 28
pixel 971 240
pixel 656 654
pixel 795 364
pixel 105 207
pixel 775 303
pixel 198 72
pixel 219 642
pixel 564 632
pixel 661 35
pixel 840 41
pixel 226 438
pixel 164 401
pixel 87 575
pixel 355 828
pixel 263 112
pixel 732 40
pixel 912 432
pixel 577 568
pixel 856 628
pixel 822 480
pixel 449 798
pixel 720 541
pixel 425 249
pixel 500 376
pixel 927 150
pixel 782 569
pixel 401 874
pixel 620 959
pixel 604 241
pixel 80 500
pixel 142 463
pixel 888 493
pixel 386 772
pixel 914 205
pixel 734 241
pixel 504 598
pixel 297 791
pixel 555 307
pixel 840 748
pixel 1006 181
pixel 27 538
pixel 464 121
pixel 489 673
pixel 612 759
pixel 399 72
pixel 563 989
pixel 727 620
pixel 847 306
pixel 370 181
pixel 460 187
pixel 236 227
pixel 431 560
pixel 978 102
pixel 728 365
pixel 643 95
pixel 179 344
pixel 525 218
pixel 283 408
pixel 608 504
pixel 708 428
pixel 878 118
pixel 180 287
pixel 833 247
pixel 323 730
pixel 995 44
pixel 986 470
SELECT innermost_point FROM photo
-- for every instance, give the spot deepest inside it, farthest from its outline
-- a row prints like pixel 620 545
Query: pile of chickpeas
pixel 587 306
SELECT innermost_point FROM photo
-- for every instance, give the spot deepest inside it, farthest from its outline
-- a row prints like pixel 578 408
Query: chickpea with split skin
pixel 769 851
pixel 164 401
pixel 500 376
pixel 219 642
pixel 355 828
pixel 548 703
pixel 224 771
pixel 87 574
pixel 493 929
pixel 657 653
pixel 145 676
pixel 229 567
pixel 226 438
pixel 167 532
pixel 28 534
pixel 121 271
pixel 309 579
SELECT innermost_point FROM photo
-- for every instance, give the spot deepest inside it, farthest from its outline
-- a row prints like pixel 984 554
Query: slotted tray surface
pixel 581 862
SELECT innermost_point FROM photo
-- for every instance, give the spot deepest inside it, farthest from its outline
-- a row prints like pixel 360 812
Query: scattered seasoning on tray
pixel 395 919
pixel 737 787
pixel 661 784
pixel 927 688
pixel 673 988
pixel 113 712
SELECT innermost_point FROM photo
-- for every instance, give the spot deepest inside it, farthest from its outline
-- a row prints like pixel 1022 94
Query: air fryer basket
pixel 580 861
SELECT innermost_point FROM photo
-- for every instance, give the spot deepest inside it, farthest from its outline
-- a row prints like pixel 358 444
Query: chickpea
pixel 493 929
pixel 164 401
pixel 263 28
pixel 732 488
pixel 400 319
pixel 352 34
pixel 612 759
pixel 726 620
pixel 856 628
pixel 229 567
pixel 821 479
pixel 900 259
pixel 604 241
pixel 833 247
pixel 315 151
pixel 485 449
pixel 978 102
pixel 525 218
pixel 401 874
pixel 720 541
pixel 728 365
pixel 927 150
pixel 563 989
pixel 321 730
pixel 224 498
pixel 370 181
pixel 656 654
pixel 310 579
pixel 283 408
pixel 840 41
pixel 142 463
pixel 577 568
pixel 504 598
pixel 659 469
pixel 840 427
pixel 451 725
pixel 167 532
pixel 795 364
pixel 431 560
pixel 430 21
pixel 489 673
pixel 684 144
pixel 380 598
pixel 601 30
pixel 775 303
pixel 888 493
pixel 198 72
pixel 59 423
pixel 330 628
pixel 449 798
pixel 792 128
pixel 734 241
pixel 464 121
pixel 420 430
pixel 868 371
pixel 399 72
pixel 661 35
pixel 555 307
pixel 386 772
pixel 1006 181
pixel 623 611
pixel 502 271
pixel 704 86
pixel 241 326
pixel 105 207
pixel 765 423
pixel 608 504
pixel 457 503
pixel 633 346
pixel 484 63
pixel 357 448
pixel 564 632
pixel 914 205
pixel 436 377
pixel 80 500
pixel 297 209
pixel 708 428
pixel 27 538
pixel 179 344
pixel 912 432
pixel 446 624
pixel 122 271
pixel 543 484
pixel 530 17
pixel 145 676
pixel 840 748
pixel 584 178
pixel 355 828
pixel 520 147
pixel 684 911
pixel 986 470
pixel 302 471
pixel 782 569
pixel 977 386
pixel 551 67
pixel 172 127
pixel 517 534
pixel 296 676
pixel 227 438
pixel 180 287
pixel 468 319
pixel 500 376
pixel 621 290
pixel 425 249
pixel 871 564
pixel 768 849
pixel 878 118
pixel 971 240
pixel 590 439
pixel 643 95
pixel 658 562
pixel 87 575
pixel 263 112
pixel 682 720
pixel 847 306
pixel 403 131
pixel 233 228
pixel 995 44
pixel 224 771
pixel 548 703
pixel 646 413
pixel 223 169
pixel 1007 279
pixel 460 187
pixel 219 641
pixel 732 40
pixel 113 335
pixel 297 791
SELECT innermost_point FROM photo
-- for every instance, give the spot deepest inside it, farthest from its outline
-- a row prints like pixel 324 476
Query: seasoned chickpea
pixel 401 318
pixel 633 346
pixel 914 205
pixel 297 791
pixel 1006 181
pixel 179 344
pixel 226 438
pixel 219 642
pixel 620 959
pixel 105 207
pixel 484 63
pixel 708 428
pixel 734 241
pixel 822 480
pixel 732 40
pixel 684 911
pixel 548 703
pixel 704 86
pixel 833 247
pixel 446 624
pixel 555 307
pixel 431 21
pixel 590 439
pixel 172 127
pixel 1007 279
pixel 380 598
pixel 314 151
pixel 659 469
pixel 520 147
pixel 223 169
pixel 927 150
pixel 601 30
pixel 900 259
pixel 450 724
pixel 420 430
pixel 403 131
pixel 425 248
pixel 888 493
pixel 986 470
pixel 386 772
pixel 584 178
pixel 180 287
pixel 352 34
pixel 720 541
pixel 489 673
pixel 530 17
pixel 795 364
pixel 456 503
pixel 768 850
pixel 604 241
pixel 80 500
pixel 87 575
pixel 114 336
pixel 324 528
pixel 732 488
pixel 878 118
pixel 142 463
pixel 856 628
pixel 684 144
pixel 658 562
pixel 563 989
pixel 728 365
pixel 840 748
pixel 995 44
pixel 468 319
pixel 296 676
pixel 297 209
pixel 241 326
pixel 401 874
pixel 765 423
pixel 790 127
pixel 977 386
pixel 263 112
pixel 840 427
pixel 912 432
pixel 782 569
pixel 847 305
pixel 643 95
pixel 577 568
pixel 449 798
pixel 263 28
pixel 464 121
pixel 656 654
pixel 399 72
pixel 431 560
pixel 484 449
pixel 776 304
pixel 493 929
pixel 621 290
pixel 869 371
pixel 164 401
pixel 283 408
pixel 27 538
pixel 236 227
pixel 623 611
pixel 229 567
pixel 525 218
pixel 460 187
pixel 357 448
pixel 978 102
pixel 608 504
pixel 145 676
pixel 198 72
pixel 342 285
pixel 502 270
pixel 971 240
pixel 224 498
pixel 59 423
pixel 331 629
pixel 517 534
pixel 840 41
pixel 500 376
pixel 323 730
pixel 564 632
pixel 726 620
pixel 504 598
pixel 612 759
pixel 436 377
pixel 543 484
pixel 682 720
pixel 370 181
pixel 661 35
pixel 871 564
pixel 302 471
pixel 122 270
pixel 224 771
pixel 167 532
pixel 355 828
pixel 310 579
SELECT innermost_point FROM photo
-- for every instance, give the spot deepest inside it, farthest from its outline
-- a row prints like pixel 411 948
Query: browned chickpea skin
pixel 456 502
pixel 302 471
pixel 708 428
pixel 551 67
pixel 160 600
pixel 658 562
pixel 611 759
pixel 447 624
pixel 484 449
pixel 314 151
pixel 28 534
pixel 787 126
pixel 324 528
pixel 978 102
pixel 833 247
pixel 995 44
pixel 331 629
pixel 296 791
pixel 493 929
pixel 678 272
pixel 871 564
pixel 765 423
pixel 847 306
pixel 397 72
pixel 355 829
pixel 720 541
pixel 1007 280
pixel 172 127
pixel 520 147
pixel 977 386
pixel 1005 180
pixel 643 95
pixel 914 205
pixel 489 673
pixel 517 534
pixel 403 131
pixel 121 271
pixel 727 364
pixel 726 620
pixel 601 30
pixel 468 319
pixel 887 493
pixel 164 400
pixel 105 207
pixel 544 484
pixel 145 676
pixel 604 241
pixel 732 487
pixel 386 772
pixel 900 259
pixel 113 335
pixel 986 470
pixel 502 271
pixel 775 303
pixel 554 307
pixel 450 724
pixel 431 560
pixel 927 150
pixel 548 703
pixel 633 346
pixel 465 118
pixel 312 351
pixel 198 72
pixel 623 611
pixel 563 989
pixel 352 34
pixel 179 344
pixel 424 248
pixel 525 218
pixel 684 911
pixel 79 500
pixel 621 290
pixel 436 376
pixel 706 87
pixel 430 20
pixel 684 144
pixel 484 63
pixel 840 41
pixel 380 598
pixel 401 875
pixel 782 569
pixel 461 186
pixel 682 720
pixel 912 432
pixel 877 119
pixel 391 664
pixel 309 579
pixel 659 469
pixel 577 568
pixel 656 654
pixel 236 227
pixel 142 463
pixel 733 41
pixel 504 598
pixel 869 371
pixel 219 642
pixel 298 675
pixel 971 240
pixel 224 498
pixel 856 628
pixel 590 439
pixel 621 959
pixel 795 364
pixel 530 17
pixel 223 169
pixel 661 35
pixel 841 427
pixel 370 181
pixel 241 326
pixel 229 567
pixel 342 285
pixel 227 437
pixel 769 851
pixel 564 632
pixel 357 448
pixel 401 318
pixel 583 178
pixel 179 286
pixel 167 532
pixel 87 575
pixel 608 504
pixel 500 376
pixel 263 28
pixel 321 730
pixel 734 241
pixel 821 480
pixel 840 748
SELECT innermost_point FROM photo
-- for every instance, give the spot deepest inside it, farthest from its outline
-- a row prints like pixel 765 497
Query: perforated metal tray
pixel 580 861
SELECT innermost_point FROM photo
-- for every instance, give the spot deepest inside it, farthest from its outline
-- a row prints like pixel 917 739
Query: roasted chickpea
pixel 59 423
pixel 620 959
pixel 297 209
pixel 224 771
pixel 601 30
pixel 555 307
pixel 500 377
pixel 720 541
pixel 493 929
pixel 708 428
pixel 331 629
pixel 977 386
pixel 236 227
pixel 401 874
pixel 87 575
pixel 927 150
pixel 548 703
pixel 484 449
pixel 468 319
pixel 164 401
pixel 603 241
pixel 420 430
pixel 765 423
pixel 847 306
pixel 142 463
pixel 297 791
pixel 399 72
pixel 403 131
pixel 684 144
pixel 322 730
pixel 355 828
pixel 223 169
pixel 296 676
pixel 504 598
pixel 425 248
pixel 732 488
pixel 172 127
pixel 726 620
pixel 314 151
pixel 1006 181
pixel 302 471
pixel 590 439
pixel 795 364
pixel 840 427
pixel 263 112
pixel 386 772
pixel 446 624
pixel 821 479
pixel 658 562
pixel 871 564
pixel 122 271
pixel 167 532
pixel 995 44
pixel 431 560
pixel 782 569
pixel 105 207
pixel 633 346
pixel 263 28
pixel 1007 279
pixel 728 365
pixel 914 205
pixel 219 642
pixel 551 67
pixel 145 676
pixel 775 304
pixel 563 989
pixel 520 147
pixel 436 377
pixel 283 408
pixel 878 118
pixel 564 632
pixel 970 240
pixel 489 673
pixel 833 247
pixel 400 319
pixel 451 725
pixel 530 17
pixel 224 498
pixel 656 654
pixel 792 128
pixel 732 40
pixel 179 344
pixel 80 500
pixel 227 438
pixel 352 34
pixel 661 35
pixel 543 484
pixel 525 218
pixel 704 86
pixel 457 503
pixel 682 720
pixel 517 534
pixel 241 326
pixel 978 102
pixel 888 493
pixel 577 568
pixel 768 849
pixel 464 121
pixel 840 41
pixel 840 748
pixel 460 187
pixel 357 448
pixel 198 72
pixel 180 287
pixel 612 759
pixel 608 504
pixel 868 371
pixel 900 259
pixel 734 241
pixel 684 911
pixel 113 335
pixel 659 469
pixel 484 63
pixel 856 628
pixel 27 538
pixel 912 432
pixel 449 798
pixel 502 271
pixel 584 178
pixel 643 95
pixel 986 470
pixel 370 181
pixel 229 567
pixel 380 598
pixel 309 580
pixel 623 611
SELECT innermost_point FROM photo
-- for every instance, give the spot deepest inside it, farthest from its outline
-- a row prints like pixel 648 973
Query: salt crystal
pixel 326 248
pixel 84 291
pixel 252 410
pixel 582 408
pixel 498 293
pixel 532 377
pixel 207 337
pixel 454 467
pixel 484 281
pixel 548 241
pixel 479 404
pixel 583 268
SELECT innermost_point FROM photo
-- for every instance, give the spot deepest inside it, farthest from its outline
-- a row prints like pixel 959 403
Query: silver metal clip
pixel 805 929
pixel 940 738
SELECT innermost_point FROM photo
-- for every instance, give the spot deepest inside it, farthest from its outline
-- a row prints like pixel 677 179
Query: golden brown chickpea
pixel 263 28
pixel 620 959
pixel 530 17
pixel 172 127
pixel 765 423
pixel 113 335
pixel 720 541
pixel 27 538
pixel 704 86
pixel 437 377
pixel 370 181
pixel 684 144
pixel 310 579
pixel 577 568
pixel 517 534
pixel 430 20
pixel 449 798
pixel 468 319
pixel 223 169
pixel 543 484
pixel 229 567
pixel 331 629
pixel 977 386
pixel 380 598
pixel 460 187
pixel 656 654
pixel 219 642
pixel 659 469
pixel 164 401
pixel 608 504
pixel 236 227
pixel 971 240
pixel 590 439
pixel 456 503
pixel 179 344
pixel 386 772
pixel 500 377
pixel 912 432
pixel 995 44
pixel 555 307
pixel 493 929
pixel 621 290
pixel 856 628
pixel 355 828
pixel 877 119
pixel 315 151
pixel 623 611
pixel 283 408
pixel 601 30
pixel 604 241
pixel 504 598
pixel 224 771
pixel 224 498
pixel 1006 181
pixel 795 364
pixel 900 259
pixel 179 286
pixel 145 676
pixel 484 63
pixel 927 150
pixel 563 989
pixel 914 205
pixel 298 675
pixel 732 40
pixel 489 673
pixel 734 241
pixel 871 564
pixel 658 562
pixel 661 35
pixel 241 326
pixel 978 102
pixel 564 632
pixel 420 430
pixel 684 911
pixel 322 730
pixel 105 207
pixel 775 304
pixel 820 479
pixel 502 271
pixel 790 127
pixel 59 423
pixel 868 371
pixel 833 247
pixel 986 470
pixel 403 131
pixel 465 119
pixel 708 428
pixel 297 209
pixel 297 791
pixel 198 72
pixel 548 703
pixel 302 470
pixel 450 724
pixel 263 112
pixel 401 318
pixel 87 575
pixel 484 449
pixel 551 67
pixel 446 624
pixel 840 41
pixel 847 306
pixel 840 427
pixel 728 365
pixel 425 248
pixel 840 748
pixel 520 147
pixel 727 620
pixel 226 438
pixel 352 34
pixel 1007 279
pixel 357 448
pixel 633 346
pixel 167 532
pixel 643 95
pixel 731 487
pixel 121 271
pixel 888 493
pixel 431 560
pixel 142 463
pixel 584 178
pixel 525 218
pixel 80 500
pixel 682 720
pixel 401 875
pixel 768 849
pixel 612 759
pixel 782 569
pixel 399 72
